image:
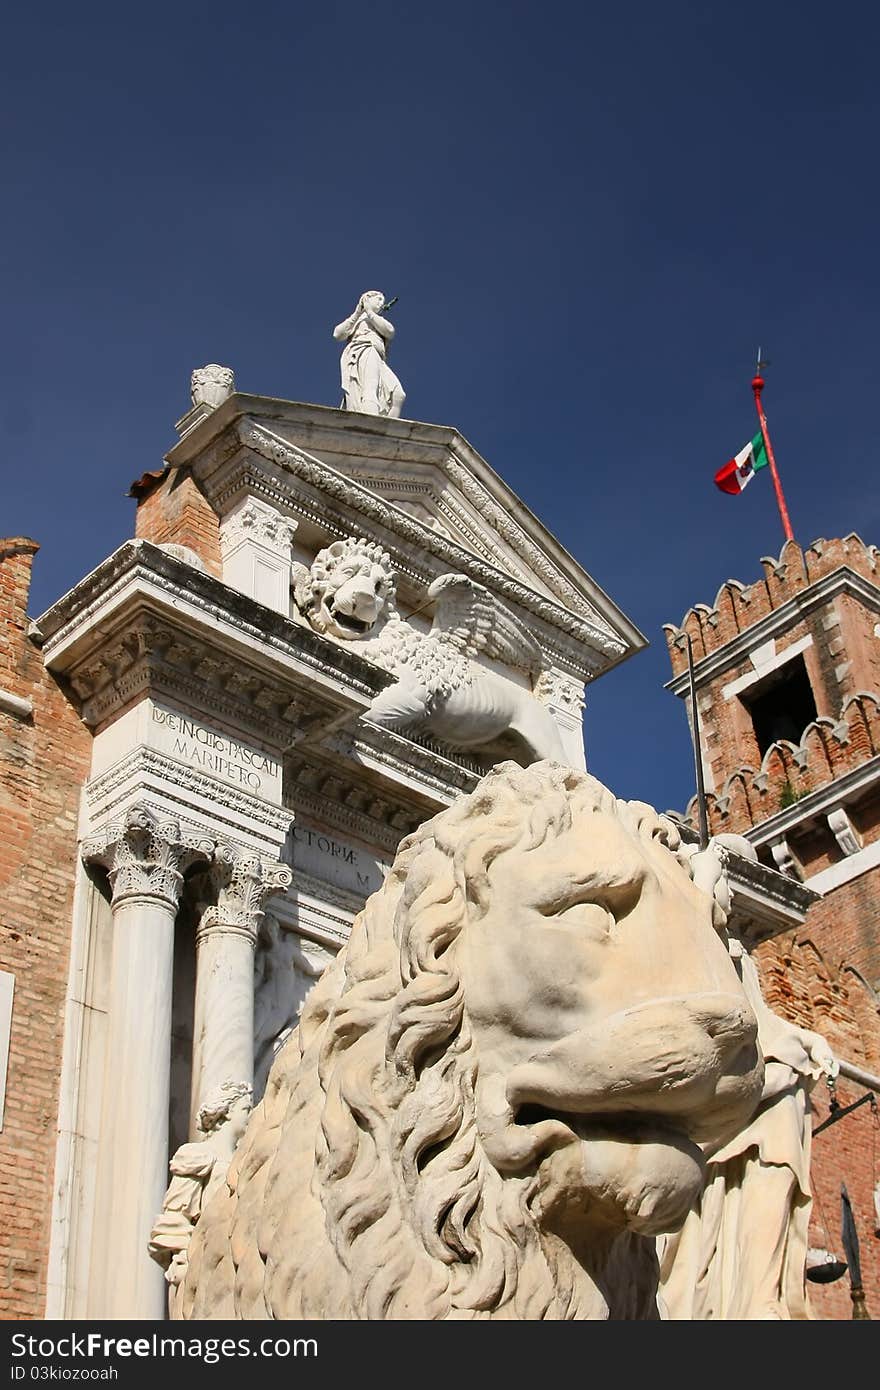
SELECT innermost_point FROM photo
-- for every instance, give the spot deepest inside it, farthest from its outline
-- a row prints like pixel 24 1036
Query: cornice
pixel 441 776
pixel 337 815
pixel 321 917
pixel 146 622
pixel 155 659
pixel 372 439
pixel 840 581
pixel 180 784
pixel 179 583
pixel 243 473
pixel 221 485
pixel 763 901
pixel 372 783
pixel 324 893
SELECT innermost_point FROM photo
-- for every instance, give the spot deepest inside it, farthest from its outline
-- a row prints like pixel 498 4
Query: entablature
pixel 146 621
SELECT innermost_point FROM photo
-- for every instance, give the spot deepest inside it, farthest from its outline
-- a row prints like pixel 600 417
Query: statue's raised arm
pixel 368 383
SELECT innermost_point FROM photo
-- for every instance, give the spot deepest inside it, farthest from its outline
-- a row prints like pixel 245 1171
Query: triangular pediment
pixel 431 476
pixel 428 495
pixel 432 473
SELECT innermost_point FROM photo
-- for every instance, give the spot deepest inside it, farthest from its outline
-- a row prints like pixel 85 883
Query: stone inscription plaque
pixel 216 753
pixel 322 854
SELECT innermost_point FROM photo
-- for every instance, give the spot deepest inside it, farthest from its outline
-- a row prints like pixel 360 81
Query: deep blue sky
pixel 592 214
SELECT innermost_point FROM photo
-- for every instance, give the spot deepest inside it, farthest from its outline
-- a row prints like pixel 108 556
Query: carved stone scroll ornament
pixel 243 884
pixel 146 854
pixel 844 831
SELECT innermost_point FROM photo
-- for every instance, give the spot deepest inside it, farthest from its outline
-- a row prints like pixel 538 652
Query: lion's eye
pixel 591 918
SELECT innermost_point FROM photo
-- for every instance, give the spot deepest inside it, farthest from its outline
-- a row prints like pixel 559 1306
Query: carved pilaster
pixel 146 854
pixel 561 692
pixel 257 521
pixel 563 695
pixel 255 541
pixel 243 882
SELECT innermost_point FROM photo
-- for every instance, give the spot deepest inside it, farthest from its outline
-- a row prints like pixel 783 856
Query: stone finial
pixel 212 385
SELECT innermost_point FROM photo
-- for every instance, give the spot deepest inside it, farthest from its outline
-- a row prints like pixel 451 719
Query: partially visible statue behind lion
pixel 495 1098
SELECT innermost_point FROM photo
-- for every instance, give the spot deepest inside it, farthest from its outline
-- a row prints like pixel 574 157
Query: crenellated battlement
pixel 738 606
pixel 827 750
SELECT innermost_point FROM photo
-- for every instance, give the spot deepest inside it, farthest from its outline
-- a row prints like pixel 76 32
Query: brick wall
pixel 746 794
pixel 44 759
pixel 825 976
pixel 739 606
pixel 171 508
pixel 801 984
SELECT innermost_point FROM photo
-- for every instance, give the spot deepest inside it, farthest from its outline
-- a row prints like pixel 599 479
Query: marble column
pixel 223 1032
pixel 145 855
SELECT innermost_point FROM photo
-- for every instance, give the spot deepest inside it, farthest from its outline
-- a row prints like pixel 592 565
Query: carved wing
pixel 473 620
pixel 301 584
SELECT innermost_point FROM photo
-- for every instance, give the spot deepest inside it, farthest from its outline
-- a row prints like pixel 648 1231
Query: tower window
pixel 782 705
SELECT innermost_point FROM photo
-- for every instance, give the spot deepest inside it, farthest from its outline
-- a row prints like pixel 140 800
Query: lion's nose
pixel 361 599
pixel 675 1056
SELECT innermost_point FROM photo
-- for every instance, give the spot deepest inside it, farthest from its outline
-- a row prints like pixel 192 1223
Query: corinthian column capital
pixel 244 881
pixel 146 854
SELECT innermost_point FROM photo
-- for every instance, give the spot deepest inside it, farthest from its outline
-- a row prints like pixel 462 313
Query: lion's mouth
pixel 625 1128
pixel 633 1171
pixel 349 621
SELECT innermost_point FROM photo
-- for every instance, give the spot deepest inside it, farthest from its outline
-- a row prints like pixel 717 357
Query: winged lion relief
pixel 443 684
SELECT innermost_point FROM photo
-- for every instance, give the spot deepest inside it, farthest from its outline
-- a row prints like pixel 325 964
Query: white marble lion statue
pixel 441 687
pixel 497 1095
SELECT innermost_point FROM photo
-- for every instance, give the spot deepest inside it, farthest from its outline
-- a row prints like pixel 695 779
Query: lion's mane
pixel 314 584
pixel 361 1188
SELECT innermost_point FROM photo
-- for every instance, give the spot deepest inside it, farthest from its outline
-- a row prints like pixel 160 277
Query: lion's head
pixel 495 1095
pixel 348 589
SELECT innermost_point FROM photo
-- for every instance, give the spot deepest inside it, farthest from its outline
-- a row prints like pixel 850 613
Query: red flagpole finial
pixel 757 388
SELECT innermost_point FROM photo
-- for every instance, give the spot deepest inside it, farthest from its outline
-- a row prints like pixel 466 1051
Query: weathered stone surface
pixel 497 1095
pixel 442 685
pixel 212 385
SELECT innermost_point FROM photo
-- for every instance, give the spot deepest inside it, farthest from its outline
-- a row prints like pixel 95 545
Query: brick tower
pixel 787 677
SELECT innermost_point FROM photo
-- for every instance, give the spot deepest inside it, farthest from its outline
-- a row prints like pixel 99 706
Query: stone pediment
pixel 425 483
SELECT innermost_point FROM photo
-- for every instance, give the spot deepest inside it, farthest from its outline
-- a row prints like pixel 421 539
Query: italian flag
pixel 739 471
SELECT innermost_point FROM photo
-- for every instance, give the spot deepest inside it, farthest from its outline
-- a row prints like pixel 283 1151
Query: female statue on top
pixel 368 383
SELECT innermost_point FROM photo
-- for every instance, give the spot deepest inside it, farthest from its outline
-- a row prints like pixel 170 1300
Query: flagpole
pixel 698 754
pixel 758 387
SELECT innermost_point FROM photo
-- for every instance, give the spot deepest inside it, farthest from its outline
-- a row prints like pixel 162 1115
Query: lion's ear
pixel 301 585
